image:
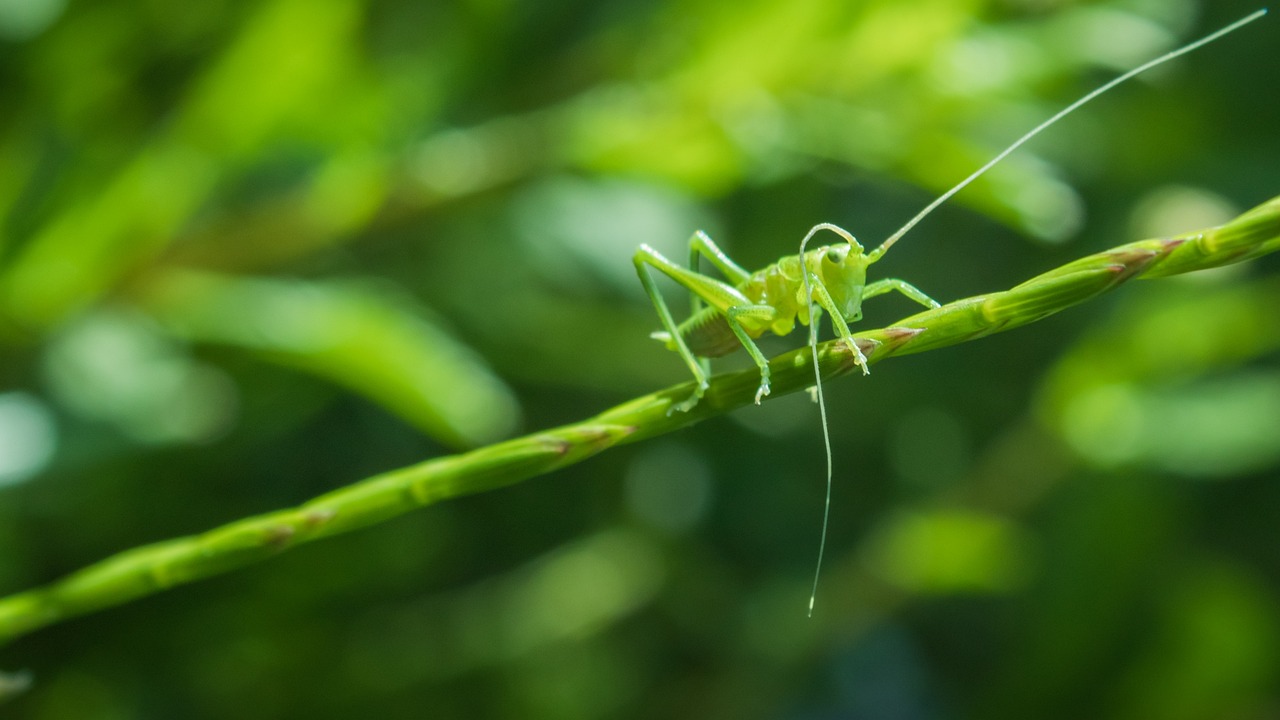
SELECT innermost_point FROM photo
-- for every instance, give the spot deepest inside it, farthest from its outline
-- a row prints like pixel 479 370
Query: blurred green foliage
pixel 253 251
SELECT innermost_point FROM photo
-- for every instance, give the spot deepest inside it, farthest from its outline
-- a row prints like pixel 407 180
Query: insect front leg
pixel 881 287
pixel 823 298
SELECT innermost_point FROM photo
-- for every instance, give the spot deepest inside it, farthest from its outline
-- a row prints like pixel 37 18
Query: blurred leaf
pixel 248 97
pixel 1147 385
pixel 950 551
pixel 115 366
pixel 1216 427
pixel 571 594
pixel 255 92
pixel 28 437
pixel 363 335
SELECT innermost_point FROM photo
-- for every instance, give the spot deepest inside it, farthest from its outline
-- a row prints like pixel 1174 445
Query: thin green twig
pixel 149 569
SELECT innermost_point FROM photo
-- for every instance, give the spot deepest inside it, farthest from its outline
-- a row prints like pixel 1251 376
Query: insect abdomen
pixel 707 334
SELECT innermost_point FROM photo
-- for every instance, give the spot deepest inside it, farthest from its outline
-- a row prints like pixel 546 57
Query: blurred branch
pixel 149 569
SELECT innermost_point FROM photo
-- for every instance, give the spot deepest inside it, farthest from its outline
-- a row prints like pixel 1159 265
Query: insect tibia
pixel 661 336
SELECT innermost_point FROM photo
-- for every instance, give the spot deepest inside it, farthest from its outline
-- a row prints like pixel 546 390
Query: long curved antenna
pixel 875 254
pixel 817 383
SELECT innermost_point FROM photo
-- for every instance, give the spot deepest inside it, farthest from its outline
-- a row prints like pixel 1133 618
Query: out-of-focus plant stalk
pixel 145 570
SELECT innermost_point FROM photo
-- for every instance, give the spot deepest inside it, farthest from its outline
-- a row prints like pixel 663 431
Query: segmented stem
pixel 146 570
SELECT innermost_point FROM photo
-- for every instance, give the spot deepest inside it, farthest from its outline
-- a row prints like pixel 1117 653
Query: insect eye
pixel 837 254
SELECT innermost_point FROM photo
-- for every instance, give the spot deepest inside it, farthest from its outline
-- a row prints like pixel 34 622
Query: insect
pixel 772 299
pixel 729 315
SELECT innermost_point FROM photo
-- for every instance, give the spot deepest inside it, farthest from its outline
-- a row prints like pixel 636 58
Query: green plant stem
pixel 149 569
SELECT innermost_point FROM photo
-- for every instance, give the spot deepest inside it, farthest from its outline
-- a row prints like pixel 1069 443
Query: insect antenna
pixel 888 243
pixel 876 254
pixel 822 404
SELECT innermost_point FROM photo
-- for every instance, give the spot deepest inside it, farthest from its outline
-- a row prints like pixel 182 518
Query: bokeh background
pixel 254 251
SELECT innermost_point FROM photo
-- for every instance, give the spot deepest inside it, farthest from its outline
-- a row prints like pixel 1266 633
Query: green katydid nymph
pixel 832 277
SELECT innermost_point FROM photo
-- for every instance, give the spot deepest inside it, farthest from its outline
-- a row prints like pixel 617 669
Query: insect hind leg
pixel 702 244
pixel 727 301
pixel 643 258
